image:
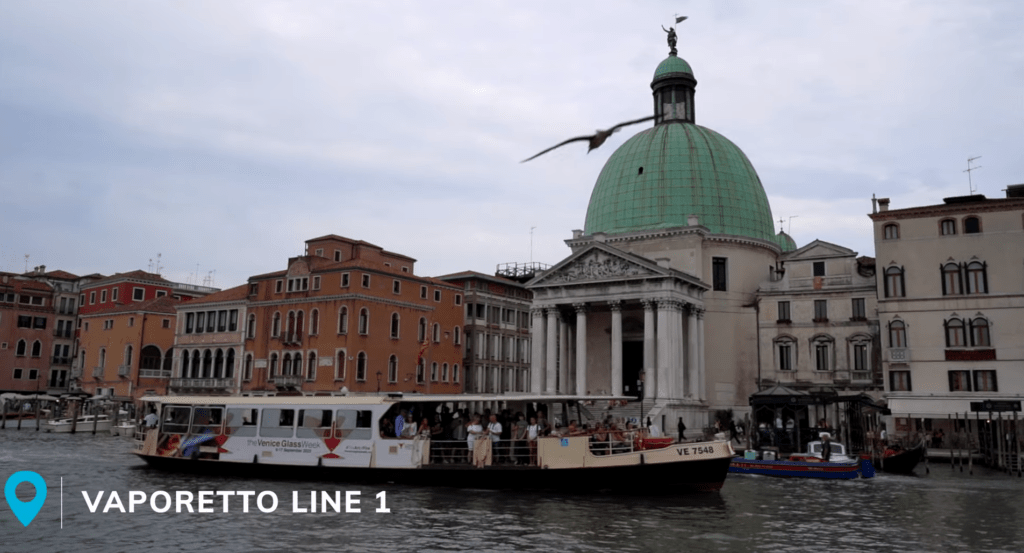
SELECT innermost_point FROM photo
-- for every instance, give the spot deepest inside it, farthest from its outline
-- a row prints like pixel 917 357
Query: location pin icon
pixel 25 510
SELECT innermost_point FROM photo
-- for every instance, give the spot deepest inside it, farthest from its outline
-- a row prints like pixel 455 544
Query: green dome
pixel 672 64
pixel 785 241
pixel 665 173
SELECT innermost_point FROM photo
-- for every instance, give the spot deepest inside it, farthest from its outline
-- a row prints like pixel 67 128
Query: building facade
pixel 818 323
pixel 496 335
pixel 348 316
pixel 27 333
pixel 951 305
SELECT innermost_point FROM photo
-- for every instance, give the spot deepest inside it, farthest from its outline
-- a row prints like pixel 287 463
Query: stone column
pixel 563 357
pixel 552 351
pixel 701 373
pixel 678 379
pixel 664 348
pixel 650 359
pixel 616 307
pixel 692 363
pixel 537 354
pixel 581 348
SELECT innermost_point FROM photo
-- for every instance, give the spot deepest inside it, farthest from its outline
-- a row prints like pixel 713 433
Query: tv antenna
pixel 970 184
pixel 531 244
pixel 789 231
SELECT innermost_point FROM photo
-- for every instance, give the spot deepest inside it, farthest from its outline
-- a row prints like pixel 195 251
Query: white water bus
pixel 349 438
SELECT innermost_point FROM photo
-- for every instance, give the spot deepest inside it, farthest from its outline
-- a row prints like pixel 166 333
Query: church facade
pixel 659 293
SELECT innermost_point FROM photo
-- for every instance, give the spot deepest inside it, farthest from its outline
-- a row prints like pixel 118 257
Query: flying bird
pixel 595 139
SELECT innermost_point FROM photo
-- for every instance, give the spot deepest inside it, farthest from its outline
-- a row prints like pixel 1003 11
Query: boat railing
pixel 524 452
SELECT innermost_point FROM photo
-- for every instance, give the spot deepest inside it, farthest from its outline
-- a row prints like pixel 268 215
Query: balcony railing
pixel 287 380
pixel 202 383
pixel 291 338
pixel 62 332
pixel 76 373
pixel 154 373
pixel 124 370
pixel 97 372
pixel 899 355
pixel 61 361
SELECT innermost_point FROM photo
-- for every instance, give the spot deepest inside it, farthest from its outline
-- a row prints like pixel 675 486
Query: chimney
pixel 577 234
pixel 691 220
pixel 883 204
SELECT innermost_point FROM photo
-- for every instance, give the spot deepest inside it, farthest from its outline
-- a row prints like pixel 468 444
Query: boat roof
pixel 373 399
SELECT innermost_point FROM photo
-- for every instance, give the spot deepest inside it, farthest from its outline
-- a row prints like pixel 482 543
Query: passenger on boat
pixel 826 448
pixel 151 420
pixel 532 433
pixel 473 431
pixel 618 439
pixel 599 440
pixel 410 429
pixel 544 427
pixel 387 430
pixel 494 432
pixel 519 431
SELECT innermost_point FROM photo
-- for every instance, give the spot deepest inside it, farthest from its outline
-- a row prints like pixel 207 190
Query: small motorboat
pixel 804 465
pixel 85 423
pixel 124 428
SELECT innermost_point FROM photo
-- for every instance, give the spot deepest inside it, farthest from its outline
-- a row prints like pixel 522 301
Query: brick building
pixel 26 333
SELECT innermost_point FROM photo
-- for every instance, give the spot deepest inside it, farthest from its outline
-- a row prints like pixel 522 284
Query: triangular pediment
pixel 819 249
pixel 599 262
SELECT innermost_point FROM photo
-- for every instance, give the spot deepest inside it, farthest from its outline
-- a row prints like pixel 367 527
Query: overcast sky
pixel 222 135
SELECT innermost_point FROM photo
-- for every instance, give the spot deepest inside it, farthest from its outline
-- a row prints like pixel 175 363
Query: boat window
pixel 241 422
pixel 314 423
pixel 278 423
pixel 207 420
pixel 176 419
pixel 352 424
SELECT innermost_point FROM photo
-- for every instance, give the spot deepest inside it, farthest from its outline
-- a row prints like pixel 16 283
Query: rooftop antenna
pixel 791 217
pixel 26 263
pixel 970 184
pixel 531 244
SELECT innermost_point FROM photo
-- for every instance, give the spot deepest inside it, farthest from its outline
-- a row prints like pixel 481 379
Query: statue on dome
pixel 671 40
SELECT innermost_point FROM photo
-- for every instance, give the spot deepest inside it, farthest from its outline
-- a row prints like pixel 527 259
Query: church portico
pixel 605 319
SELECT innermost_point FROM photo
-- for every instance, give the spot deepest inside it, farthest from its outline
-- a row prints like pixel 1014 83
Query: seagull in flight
pixel 596 139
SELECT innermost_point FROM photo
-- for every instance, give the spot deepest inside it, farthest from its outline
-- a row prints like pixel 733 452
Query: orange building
pixel 26 333
pixel 348 315
pixel 125 350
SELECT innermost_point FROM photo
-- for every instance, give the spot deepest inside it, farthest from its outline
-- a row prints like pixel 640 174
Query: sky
pixel 220 136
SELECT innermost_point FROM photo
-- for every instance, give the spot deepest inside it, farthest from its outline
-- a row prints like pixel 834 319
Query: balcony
pixel 76 373
pixel 124 370
pixel 97 372
pixel 899 355
pixel 287 380
pixel 154 373
pixel 61 361
pixel 62 332
pixel 202 383
pixel 291 338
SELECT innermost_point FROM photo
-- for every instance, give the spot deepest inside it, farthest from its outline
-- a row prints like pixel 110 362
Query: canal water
pixel 942 511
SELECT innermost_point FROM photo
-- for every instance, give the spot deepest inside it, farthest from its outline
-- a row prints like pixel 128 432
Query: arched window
pixel 821 346
pixel 299 317
pixel 314 322
pixel 951 283
pixel 247 375
pixel 250 328
pixel 947 227
pixel 343 320
pixel 457 336
pixel 859 352
pixel 207 364
pixel 394 325
pixel 339 369
pixel 286 364
pixel 273 365
pixel 229 364
pixel 311 367
pixel 979 333
pixel 361 367
pixel 420 377
pixel 197 363
pixel 455 372
pixel 977 278
pixel 184 364
pixel 437 333
pixel 433 372
pixel 128 355
pixel 785 351
pixel 364 321
pixel 296 365
pixel 955 333
pixel 21 348
pixel 894 280
pixel 972 225
pixel 897 334
pixel 891 231
pixel 103 357
pixel 290 327
pixel 275 329
pixel 37 348
pixel 444 372
pixel 421 331
pixel 392 369
pixel 218 364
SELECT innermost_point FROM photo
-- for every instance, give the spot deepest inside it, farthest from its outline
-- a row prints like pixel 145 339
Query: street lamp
pixel 378 382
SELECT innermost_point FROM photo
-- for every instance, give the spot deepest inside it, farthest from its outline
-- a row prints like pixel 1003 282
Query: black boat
pixel 896 460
